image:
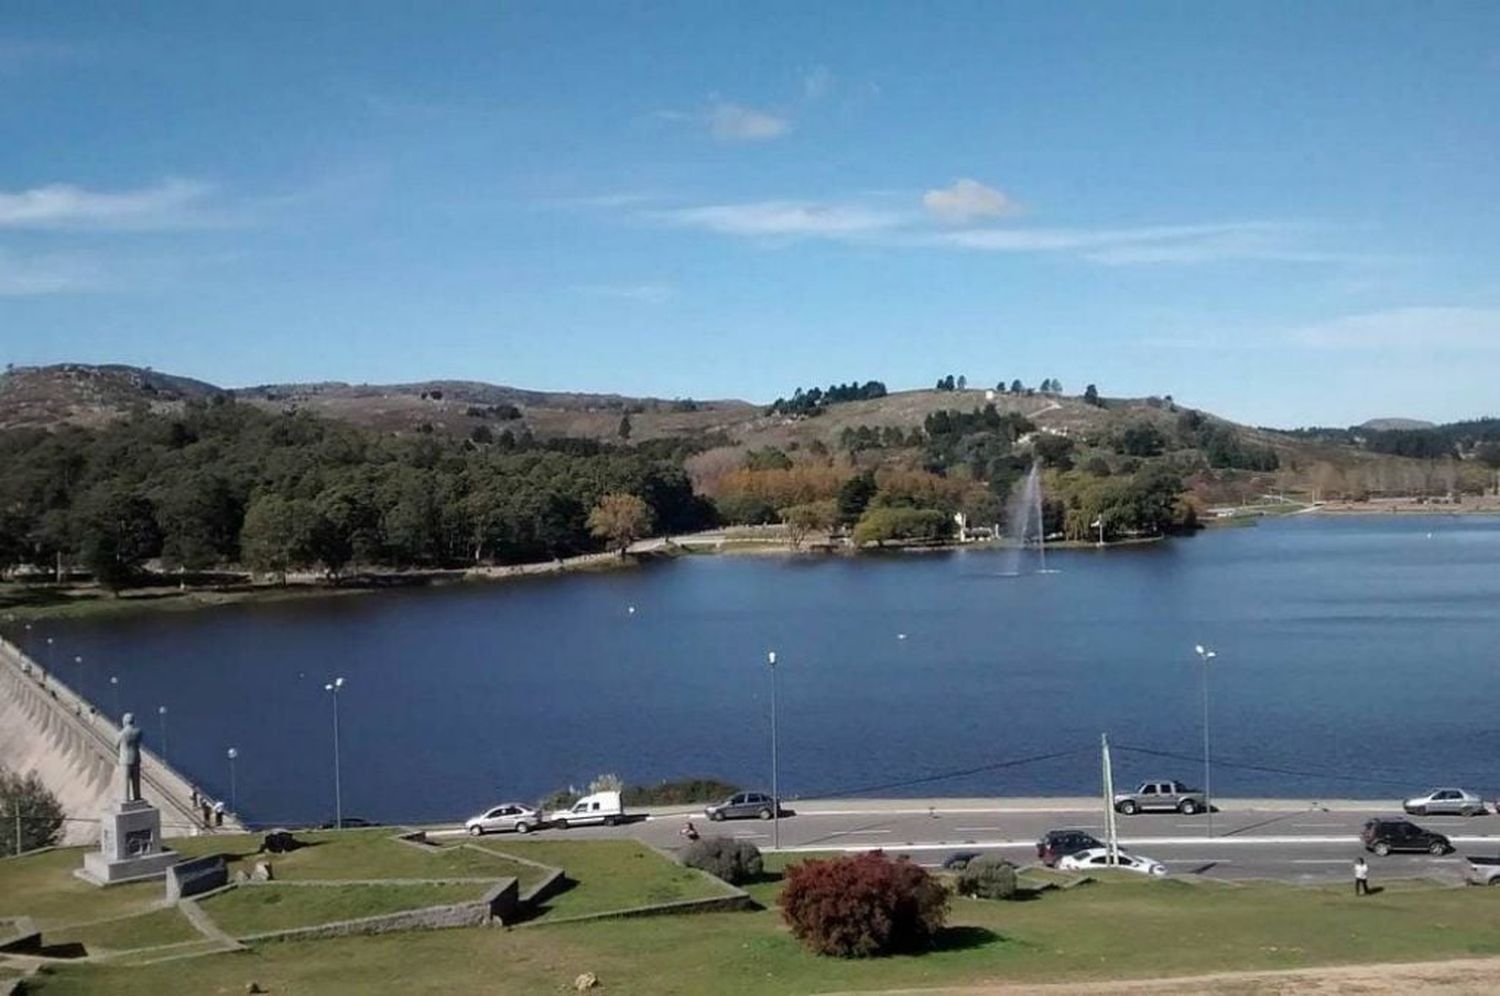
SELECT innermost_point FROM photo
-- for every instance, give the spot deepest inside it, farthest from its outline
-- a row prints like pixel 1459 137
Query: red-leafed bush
pixel 857 907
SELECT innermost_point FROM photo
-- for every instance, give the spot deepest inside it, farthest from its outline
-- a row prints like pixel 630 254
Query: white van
pixel 601 807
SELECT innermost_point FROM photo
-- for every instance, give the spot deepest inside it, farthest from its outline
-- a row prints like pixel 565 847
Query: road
pixel 1284 840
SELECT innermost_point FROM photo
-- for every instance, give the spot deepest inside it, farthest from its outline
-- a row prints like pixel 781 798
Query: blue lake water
pixel 1358 657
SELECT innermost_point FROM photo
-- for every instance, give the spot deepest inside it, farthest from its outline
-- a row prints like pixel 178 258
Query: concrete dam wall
pixel 47 728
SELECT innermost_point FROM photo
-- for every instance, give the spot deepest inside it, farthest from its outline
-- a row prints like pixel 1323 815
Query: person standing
pixel 1361 877
pixel 219 813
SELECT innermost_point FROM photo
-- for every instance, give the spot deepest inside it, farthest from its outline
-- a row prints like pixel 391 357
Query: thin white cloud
pixel 643 293
pixel 967 201
pixel 170 204
pixel 736 123
pixel 46 274
pixel 1413 328
pixel 817 83
pixel 767 219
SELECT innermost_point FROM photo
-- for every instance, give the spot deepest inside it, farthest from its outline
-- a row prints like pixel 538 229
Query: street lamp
pixel 115 685
pixel 338 791
pixel 231 753
pixel 161 711
pixel 1205 655
pixel 775 765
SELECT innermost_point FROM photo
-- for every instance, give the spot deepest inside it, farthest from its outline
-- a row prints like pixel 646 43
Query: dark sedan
pixel 745 806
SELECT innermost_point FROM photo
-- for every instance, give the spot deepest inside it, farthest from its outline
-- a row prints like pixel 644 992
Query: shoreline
pixel 23 602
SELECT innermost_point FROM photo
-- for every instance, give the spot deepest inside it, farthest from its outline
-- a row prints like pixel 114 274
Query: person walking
pixel 1361 877
pixel 219 813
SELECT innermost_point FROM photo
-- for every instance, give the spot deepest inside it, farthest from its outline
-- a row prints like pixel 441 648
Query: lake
pixel 1357 657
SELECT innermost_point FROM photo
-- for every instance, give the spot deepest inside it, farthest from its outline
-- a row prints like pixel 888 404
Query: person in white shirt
pixel 1361 877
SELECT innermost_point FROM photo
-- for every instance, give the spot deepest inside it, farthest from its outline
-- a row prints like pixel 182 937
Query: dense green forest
pixel 223 483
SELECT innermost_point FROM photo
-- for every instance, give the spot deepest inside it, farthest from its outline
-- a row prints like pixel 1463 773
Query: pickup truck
pixel 1161 797
pixel 1482 871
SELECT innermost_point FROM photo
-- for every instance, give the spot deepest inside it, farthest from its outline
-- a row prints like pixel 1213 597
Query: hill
pixel 1387 424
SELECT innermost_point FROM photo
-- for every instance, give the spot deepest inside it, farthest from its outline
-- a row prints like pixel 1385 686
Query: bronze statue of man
pixel 129 744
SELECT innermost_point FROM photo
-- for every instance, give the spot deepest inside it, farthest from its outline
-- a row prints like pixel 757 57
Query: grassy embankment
pixel 1118 928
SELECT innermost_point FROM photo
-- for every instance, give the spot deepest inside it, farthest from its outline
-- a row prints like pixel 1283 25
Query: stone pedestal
pixel 130 847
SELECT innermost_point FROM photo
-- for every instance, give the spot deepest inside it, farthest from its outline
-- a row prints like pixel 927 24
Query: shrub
pixel 988 878
pixel 679 792
pixel 735 861
pixel 856 907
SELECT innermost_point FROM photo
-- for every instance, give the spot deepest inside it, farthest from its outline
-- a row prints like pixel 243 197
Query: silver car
pixel 506 816
pixel 1452 801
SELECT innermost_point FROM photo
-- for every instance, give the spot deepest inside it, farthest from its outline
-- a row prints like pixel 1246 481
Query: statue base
pixel 130 847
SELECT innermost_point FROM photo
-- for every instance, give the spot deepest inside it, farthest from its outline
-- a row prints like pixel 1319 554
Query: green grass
pixel 610 875
pixel 356 854
pixel 163 926
pixel 254 909
pixel 1110 930
pixel 43 887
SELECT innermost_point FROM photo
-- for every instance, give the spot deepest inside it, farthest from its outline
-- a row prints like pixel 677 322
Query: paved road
pixel 1288 841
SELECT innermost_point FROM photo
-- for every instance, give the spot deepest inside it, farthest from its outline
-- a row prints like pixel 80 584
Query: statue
pixel 129 743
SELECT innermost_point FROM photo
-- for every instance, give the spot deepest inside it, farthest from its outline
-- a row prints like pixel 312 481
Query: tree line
pixel 223 484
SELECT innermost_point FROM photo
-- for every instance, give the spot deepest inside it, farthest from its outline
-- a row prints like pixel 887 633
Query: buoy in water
pixel 631 610
pixel 900 636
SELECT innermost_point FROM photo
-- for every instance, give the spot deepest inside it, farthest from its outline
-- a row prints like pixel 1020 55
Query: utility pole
pixel 775 762
pixel 1112 845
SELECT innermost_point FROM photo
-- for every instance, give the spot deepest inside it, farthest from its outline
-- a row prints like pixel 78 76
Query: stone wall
pixel 498 905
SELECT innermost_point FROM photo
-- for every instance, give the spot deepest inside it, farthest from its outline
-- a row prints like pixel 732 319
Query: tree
pixel 1091 396
pixel 277 535
pixel 116 532
pixel 963 382
pixel 620 519
pixel 883 525
pixel 1016 387
pixel 854 496
pixel 41 815
pixel 624 431
pixel 809 517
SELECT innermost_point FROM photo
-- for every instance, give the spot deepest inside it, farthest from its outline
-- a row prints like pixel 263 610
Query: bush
pixel 40 812
pixel 865 905
pixel 735 861
pixel 988 878
pixel 679 792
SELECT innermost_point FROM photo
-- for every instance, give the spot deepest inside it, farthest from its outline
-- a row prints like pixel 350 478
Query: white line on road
pixel 974 829
pixel 743 836
pixel 846 833
pixel 1320 861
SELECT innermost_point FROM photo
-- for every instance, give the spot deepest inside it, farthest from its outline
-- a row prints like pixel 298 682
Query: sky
pixel 1285 213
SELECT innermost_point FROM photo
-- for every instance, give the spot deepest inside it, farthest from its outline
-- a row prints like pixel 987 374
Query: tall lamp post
pixel 1205 655
pixel 338 790
pixel 231 753
pixel 114 684
pixel 161 711
pixel 775 765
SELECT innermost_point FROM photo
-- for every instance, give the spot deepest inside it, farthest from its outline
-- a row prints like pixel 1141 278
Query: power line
pixel 954 773
pixel 1266 768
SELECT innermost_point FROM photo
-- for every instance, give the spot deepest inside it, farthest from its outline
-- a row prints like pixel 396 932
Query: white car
pixel 1097 859
pixel 1454 801
pixel 600 808
pixel 506 816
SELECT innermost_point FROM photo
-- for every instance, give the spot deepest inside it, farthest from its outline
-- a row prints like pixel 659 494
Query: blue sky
pixel 1286 213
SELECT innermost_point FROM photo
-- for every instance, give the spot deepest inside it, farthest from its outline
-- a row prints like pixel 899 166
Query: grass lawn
pixel 163 926
pixel 1112 929
pixel 611 875
pixel 43 887
pixel 253 909
pixel 357 854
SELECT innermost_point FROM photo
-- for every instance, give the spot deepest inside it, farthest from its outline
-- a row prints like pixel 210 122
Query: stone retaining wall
pixel 499 904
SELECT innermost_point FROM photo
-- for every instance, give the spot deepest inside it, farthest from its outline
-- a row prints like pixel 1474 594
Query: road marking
pixel 846 833
pixel 742 836
pixel 1321 861
pixel 974 829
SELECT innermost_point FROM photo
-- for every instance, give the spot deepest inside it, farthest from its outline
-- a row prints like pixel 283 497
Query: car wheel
pixel 1382 848
pixel 1128 807
pixel 1468 811
pixel 716 816
pixel 1438 848
pixel 560 824
pixel 476 831
pixel 610 821
pixel 1187 807
pixel 1419 811
pixel 764 814
pixel 523 828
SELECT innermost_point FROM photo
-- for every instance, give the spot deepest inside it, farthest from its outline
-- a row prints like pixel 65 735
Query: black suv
pixel 1385 836
pixel 1057 844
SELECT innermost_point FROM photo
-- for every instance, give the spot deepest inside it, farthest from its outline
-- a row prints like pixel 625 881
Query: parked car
pixel 1161 796
pixel 1057 844
pixel 601 807
pixel 744 805
pixel 506 816
pixel 1482 871
pixel 1383 836
pixel 1454 801
pixel 1097 859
